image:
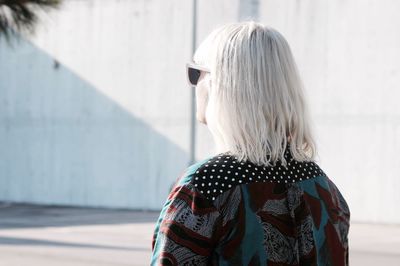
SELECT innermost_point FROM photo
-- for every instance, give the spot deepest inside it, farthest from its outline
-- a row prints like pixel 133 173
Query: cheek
pixel 204 99
pixel 201 95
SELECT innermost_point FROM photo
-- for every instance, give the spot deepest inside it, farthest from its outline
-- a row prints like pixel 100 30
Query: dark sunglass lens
pixel 194 75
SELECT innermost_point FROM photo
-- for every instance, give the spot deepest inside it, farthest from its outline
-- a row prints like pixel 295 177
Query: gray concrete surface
pixel 53 235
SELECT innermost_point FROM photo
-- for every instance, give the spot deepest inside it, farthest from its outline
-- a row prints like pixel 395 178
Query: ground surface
pixel 49 235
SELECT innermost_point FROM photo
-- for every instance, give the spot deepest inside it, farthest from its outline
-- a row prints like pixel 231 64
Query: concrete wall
pixel 348 53
pixel 95 109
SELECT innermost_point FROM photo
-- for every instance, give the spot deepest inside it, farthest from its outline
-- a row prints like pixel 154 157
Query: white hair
pixel 256 104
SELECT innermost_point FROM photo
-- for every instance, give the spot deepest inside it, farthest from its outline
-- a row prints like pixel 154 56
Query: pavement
pixel 53 235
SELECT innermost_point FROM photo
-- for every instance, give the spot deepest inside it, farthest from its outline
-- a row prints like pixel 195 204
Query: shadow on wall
pixel 64 142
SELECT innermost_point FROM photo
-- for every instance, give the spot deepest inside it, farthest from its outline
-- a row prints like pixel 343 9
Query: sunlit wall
pixel 95 109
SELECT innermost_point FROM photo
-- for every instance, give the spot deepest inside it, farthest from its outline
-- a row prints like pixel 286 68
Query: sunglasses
pixel 193 72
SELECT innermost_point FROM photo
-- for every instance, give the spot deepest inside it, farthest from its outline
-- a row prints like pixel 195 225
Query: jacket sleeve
pixel 187 229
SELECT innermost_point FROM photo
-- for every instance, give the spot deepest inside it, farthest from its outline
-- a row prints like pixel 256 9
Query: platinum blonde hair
pixel 256 105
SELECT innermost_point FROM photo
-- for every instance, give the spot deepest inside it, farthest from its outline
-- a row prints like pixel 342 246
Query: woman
pixel 262 199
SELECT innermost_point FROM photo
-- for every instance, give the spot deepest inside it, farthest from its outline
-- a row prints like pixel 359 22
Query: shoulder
pixel 184 194
pixel 203 170
pixel 219 173
pixel 188 174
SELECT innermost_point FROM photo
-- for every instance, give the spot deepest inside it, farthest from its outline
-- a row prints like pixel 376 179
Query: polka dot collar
pixel 224 171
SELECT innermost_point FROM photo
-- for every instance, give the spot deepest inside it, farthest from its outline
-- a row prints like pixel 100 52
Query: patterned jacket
pixel 225 212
